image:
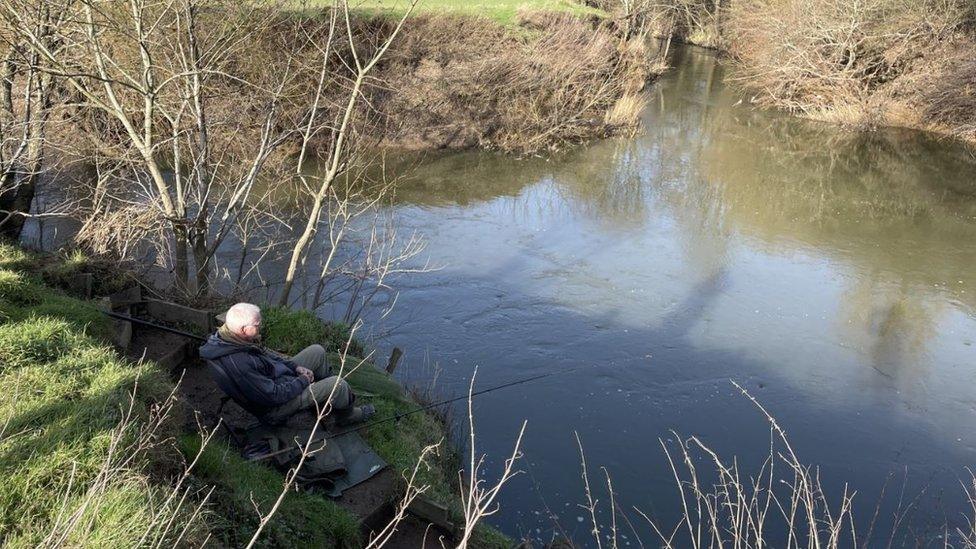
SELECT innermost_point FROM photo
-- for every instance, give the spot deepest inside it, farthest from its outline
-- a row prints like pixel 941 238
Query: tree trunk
pixel 17 201
pixel 298 254
pixel 201 259
pixel 181 264
pixel 20 181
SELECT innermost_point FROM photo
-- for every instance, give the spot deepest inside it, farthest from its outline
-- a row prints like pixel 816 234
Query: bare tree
pixel 171 96
pixel 479 498
pixel 27 97
pixel 337 158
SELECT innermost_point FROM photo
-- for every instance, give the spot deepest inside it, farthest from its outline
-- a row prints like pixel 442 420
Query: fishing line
pixel 398 417
pixel 395 417
pixel 402 415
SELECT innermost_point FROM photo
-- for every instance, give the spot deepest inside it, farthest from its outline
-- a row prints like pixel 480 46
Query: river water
pixel 831 274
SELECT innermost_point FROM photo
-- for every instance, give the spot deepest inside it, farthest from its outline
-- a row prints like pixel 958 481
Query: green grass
pixel 400 443
pixel 304 519
pixel 291 331
pixel 64 393
pixel 503 11
pixel 65 390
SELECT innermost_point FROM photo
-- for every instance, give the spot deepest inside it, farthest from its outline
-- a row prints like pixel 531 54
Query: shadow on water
pixel 622 403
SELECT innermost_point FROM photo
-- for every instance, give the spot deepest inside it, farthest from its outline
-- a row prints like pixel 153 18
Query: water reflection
pixel 832 269
pixel 892 201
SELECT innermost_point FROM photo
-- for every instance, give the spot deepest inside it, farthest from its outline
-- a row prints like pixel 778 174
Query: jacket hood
pixel 215 348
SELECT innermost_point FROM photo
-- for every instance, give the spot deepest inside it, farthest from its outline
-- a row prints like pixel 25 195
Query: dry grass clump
pixel 463 82
pixel 948 98
pixel 782 503
pixel 834 58
pixel 118 233
pixel 726 506
pixel 626 112
pixel 697 22
pixel 722 504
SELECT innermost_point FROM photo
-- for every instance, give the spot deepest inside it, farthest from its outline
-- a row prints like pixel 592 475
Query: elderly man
pixel 269 385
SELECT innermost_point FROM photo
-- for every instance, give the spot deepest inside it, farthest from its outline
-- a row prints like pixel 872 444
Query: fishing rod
pixel 395 417
pixel 127 318
pixel 401 415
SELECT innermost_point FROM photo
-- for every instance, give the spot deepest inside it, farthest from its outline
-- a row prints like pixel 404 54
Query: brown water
pixel 832 274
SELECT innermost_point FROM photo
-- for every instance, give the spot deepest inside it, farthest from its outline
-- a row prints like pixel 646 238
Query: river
pixel 831 274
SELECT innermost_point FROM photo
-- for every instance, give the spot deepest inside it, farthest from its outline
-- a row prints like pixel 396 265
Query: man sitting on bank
pixel 271 386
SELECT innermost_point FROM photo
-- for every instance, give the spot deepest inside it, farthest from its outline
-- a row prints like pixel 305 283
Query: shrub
pixel 290 331
pixel 949 96
pixel 338 335
pixel 521 92
pixel 812 56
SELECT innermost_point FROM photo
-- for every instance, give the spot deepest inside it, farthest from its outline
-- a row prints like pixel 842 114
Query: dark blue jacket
pixel 256 379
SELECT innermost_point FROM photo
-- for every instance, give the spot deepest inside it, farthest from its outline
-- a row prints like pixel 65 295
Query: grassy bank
pixel 70 444
pixel 86 456
pixel 502 11
pixel 92 447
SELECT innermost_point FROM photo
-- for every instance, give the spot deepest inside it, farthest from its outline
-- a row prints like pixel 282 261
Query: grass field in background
pixel 499 10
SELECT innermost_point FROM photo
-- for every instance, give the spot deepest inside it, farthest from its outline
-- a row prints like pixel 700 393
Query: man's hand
pixel 306 373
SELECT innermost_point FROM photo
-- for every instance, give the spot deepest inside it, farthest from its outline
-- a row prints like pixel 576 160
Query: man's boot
pixel 354 414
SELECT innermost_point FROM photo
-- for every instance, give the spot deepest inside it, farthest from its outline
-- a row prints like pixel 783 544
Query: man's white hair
pixel 241 315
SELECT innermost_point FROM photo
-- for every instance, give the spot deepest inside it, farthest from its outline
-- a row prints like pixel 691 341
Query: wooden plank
pixel 127 297
pixel 434 513
pixel 121 330
pixel 179 314
pixel 394 360
pixel 173 359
